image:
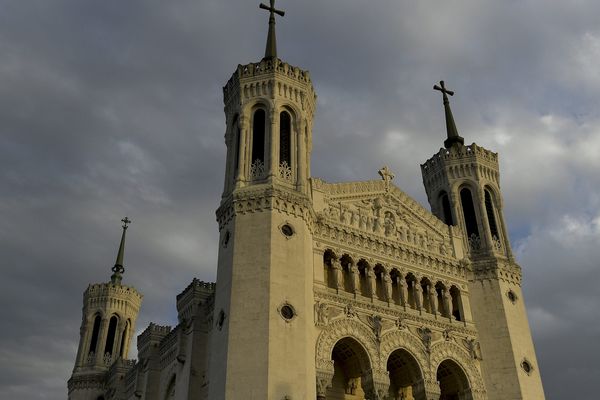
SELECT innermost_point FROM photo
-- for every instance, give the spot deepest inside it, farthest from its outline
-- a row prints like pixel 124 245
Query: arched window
pixel 285 132
pixel 446 210
pixel 95 332
pixel 110 338
pixel 258 136
pixel 469 211
pixel 489 208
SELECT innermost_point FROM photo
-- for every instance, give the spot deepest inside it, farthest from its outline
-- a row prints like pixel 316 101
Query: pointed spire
pixel 118 269
pixel 453 136
pixel 271 49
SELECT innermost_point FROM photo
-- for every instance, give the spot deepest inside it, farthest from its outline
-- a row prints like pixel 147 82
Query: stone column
pixel 103 332
pixel 118 337
pixel 387 280
pixel 371 282
pixel 355 274
pixel 324 381
pixel 273 162
pixel 426 390
pixel 418 295
pixel 301 158
pixel 230 144
pixel 376 384
pixel 242 149
pixel 447 303
pixel 433 303
pixel 402 287
pixel 337 274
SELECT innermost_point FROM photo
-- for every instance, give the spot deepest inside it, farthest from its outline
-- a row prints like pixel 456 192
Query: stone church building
pixel 347 290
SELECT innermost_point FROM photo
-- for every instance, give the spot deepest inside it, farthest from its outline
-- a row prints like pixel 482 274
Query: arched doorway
pixel 404 375
pixel 351 362
pixel 453 381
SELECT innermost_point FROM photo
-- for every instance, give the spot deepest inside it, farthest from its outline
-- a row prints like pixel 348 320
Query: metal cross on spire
pixel 271 49
pixel 453 136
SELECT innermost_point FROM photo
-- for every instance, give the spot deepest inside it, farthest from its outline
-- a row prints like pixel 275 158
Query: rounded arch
pixel 96 322
pixel 403 340
pixel 404 374
pixel 442 351
pixel 291 108
pixel 111 335
pixel 340 329
pixel 452 380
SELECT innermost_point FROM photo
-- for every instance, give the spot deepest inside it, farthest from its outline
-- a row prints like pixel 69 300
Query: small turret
pixel 108 323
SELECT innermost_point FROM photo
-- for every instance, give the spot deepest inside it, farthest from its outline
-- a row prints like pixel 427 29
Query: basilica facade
pixel 326 290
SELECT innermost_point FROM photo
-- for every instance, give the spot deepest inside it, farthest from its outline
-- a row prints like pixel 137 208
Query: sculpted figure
pixel 355 277
pixel 337 273
pixel 387 284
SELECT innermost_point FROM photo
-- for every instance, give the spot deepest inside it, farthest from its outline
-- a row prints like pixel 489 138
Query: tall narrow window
pixel 110 338
pixel 469 212
pixel 489 208
pixel 446 209
pixel 95 332
pixel 258 136
pixel 285 130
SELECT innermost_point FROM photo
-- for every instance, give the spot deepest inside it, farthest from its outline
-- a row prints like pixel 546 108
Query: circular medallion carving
pixel 512 296
pixel 527 367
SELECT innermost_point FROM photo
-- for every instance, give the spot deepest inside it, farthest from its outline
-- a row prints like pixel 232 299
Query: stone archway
pixel 351 368
pixel 405 375
pixel 453 381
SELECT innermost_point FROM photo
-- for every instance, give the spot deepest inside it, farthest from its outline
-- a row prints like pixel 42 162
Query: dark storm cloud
pixel 113 108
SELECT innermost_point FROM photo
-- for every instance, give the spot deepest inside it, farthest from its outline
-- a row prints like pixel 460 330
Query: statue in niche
pixel 448 334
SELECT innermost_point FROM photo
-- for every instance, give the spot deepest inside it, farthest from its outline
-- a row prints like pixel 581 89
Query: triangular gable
pixel 380 208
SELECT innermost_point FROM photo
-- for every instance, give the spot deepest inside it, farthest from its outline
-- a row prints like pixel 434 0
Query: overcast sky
pixel 113 108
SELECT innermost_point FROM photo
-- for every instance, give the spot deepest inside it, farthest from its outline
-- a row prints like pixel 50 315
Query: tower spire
pixel 118 269
pixel 453 136
pixel 271 49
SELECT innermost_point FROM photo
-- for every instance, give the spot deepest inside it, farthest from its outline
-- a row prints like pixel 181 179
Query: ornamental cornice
pixel 355 242
pixel 87 381
pixel 261 198
pixel 495 269
pixel 391 314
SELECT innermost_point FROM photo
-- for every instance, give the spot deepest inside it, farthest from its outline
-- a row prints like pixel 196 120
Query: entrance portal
pixel 351 362
pixel 453 381
pixel 404 374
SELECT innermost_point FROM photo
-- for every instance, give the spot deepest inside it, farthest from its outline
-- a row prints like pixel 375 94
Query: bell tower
pixel 262 336
pixel 463 189
pixel 107 327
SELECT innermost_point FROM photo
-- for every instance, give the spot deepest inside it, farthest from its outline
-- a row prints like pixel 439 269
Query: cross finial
pixel 442 88
pixel 271 49
pixel 452 132
pixel 126 221
pixel 387 175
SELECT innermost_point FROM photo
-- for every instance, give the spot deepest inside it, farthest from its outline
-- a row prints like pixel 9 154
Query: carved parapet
pixel 197 293
pixel 112 296
pixel 270 78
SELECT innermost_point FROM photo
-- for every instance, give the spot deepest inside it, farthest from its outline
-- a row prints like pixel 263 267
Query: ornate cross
pixel 442 88
pixel 272 10
pixel 125 222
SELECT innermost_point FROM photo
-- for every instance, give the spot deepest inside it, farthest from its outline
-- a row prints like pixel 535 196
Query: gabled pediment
pixel 379 208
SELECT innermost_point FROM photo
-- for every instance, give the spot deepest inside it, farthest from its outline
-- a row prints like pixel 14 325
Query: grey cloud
pixel 114 108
